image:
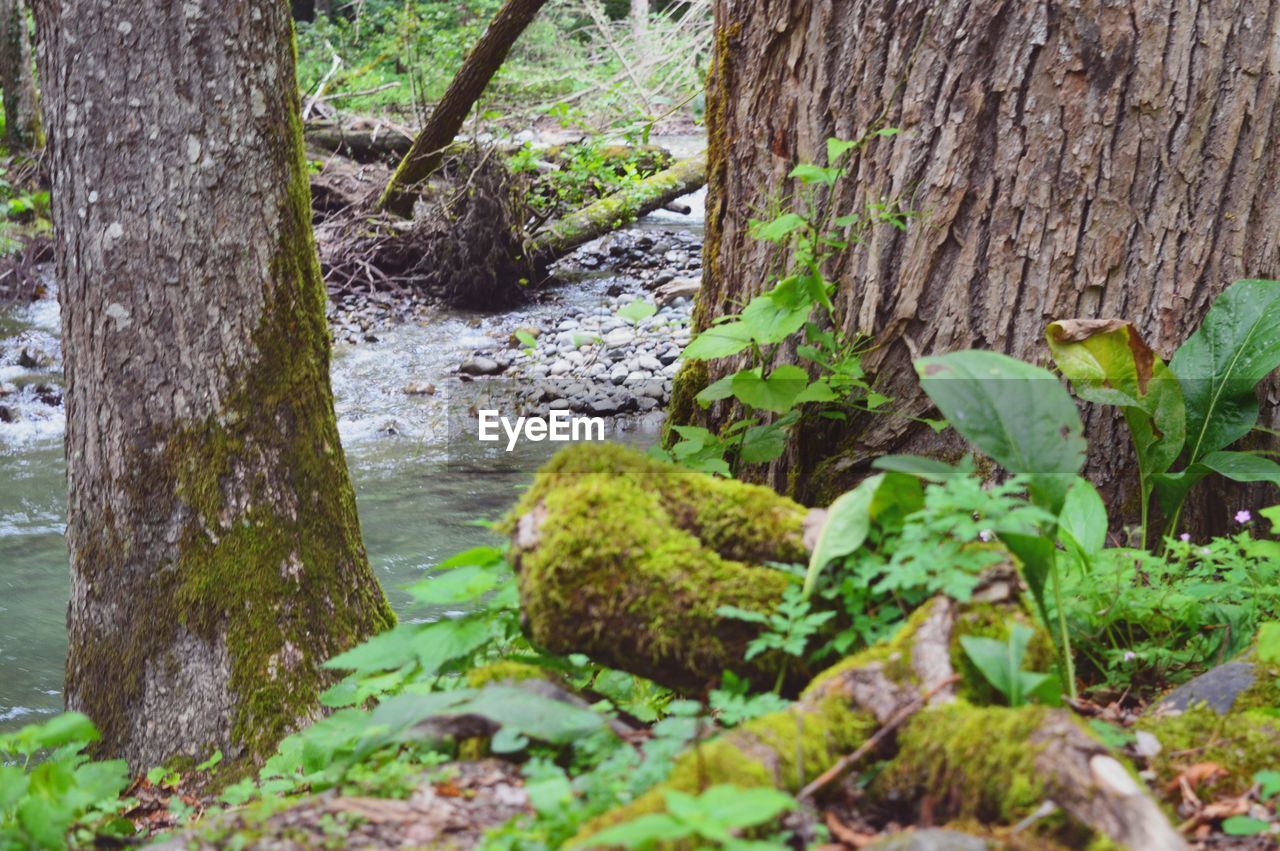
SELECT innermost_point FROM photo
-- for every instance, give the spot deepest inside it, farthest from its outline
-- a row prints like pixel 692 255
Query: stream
pixel 418 494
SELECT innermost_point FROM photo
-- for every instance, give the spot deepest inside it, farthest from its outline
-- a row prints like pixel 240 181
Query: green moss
pixel 683 409
pixel 506 671
pixel 269 560
pixel 1240 743
pixel 974 762
pixel 784 749
pixel 617 575
pixel 738 521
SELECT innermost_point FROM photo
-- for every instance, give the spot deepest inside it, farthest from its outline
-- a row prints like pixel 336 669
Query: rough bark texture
pixel 1092 159
pixel 464 90
pixel 215 549
pixel 21 103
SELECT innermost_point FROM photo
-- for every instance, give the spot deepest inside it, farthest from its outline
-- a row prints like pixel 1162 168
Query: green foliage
pixel 1014 412
pixel 913 540
pixel 788 629
pixel 1141 620
pixel 712 819
pixel 1195 408
pixel 1001 663
pixel 48 785
pixel 805 238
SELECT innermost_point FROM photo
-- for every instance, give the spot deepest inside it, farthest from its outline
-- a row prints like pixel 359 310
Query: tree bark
pixel 1080 160
pixel 464 90
pixel 21 103
pixel 215 549
pixel 639 22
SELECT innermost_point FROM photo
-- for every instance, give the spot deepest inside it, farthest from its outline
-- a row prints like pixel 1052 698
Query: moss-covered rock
pixel 628 560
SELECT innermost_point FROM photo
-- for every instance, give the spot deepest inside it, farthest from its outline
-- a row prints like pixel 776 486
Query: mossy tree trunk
pixel 17 79
pixel 464 90
pixel 1082 160
pixel 215 550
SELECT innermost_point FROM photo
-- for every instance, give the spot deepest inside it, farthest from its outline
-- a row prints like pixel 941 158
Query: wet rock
pixel 480 366
pixel 31 357
pixel 1219 688
pixel 49 395
pixel 929 840
pixel 649 363
pixel 419 388
pixel 7 389
pixel 7 414
pixel 560 367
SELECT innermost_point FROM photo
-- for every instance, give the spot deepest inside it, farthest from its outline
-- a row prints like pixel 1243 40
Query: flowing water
pixel 418 495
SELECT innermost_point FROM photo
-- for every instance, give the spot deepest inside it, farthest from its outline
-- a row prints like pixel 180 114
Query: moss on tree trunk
pixel 215 547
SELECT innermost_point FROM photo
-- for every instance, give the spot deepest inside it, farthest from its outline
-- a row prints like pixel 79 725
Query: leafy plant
pixel 1195 407
pixel 1000 662
pixel 710 819
pixel 48 784
pixel 806 238
pixel 788 630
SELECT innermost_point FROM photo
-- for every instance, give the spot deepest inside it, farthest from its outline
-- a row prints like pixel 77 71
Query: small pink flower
pixel 1129 655
pixel 1243 516
pixel 1184 537
pixel 986 535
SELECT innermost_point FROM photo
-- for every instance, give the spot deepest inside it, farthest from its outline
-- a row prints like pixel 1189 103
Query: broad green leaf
pixel 771 320
pixel 736 807
pixel 845 529
pixel 1084 517
pixel 1036 554
pixel 459 585
pixel 637 310
pixel 717 390
pixel 13 785
pixel 776 392
pixel 1000 662
pixel 385 651
pixel 818 391
pixel 929 469
pixel 1269 642
pixel 718 341
pixel 1244 826
pixel 837 148
pixel 475 556
pixel 1171 488
pixel 437 644
pixel 777 229
pixel 1109 363
pixel 1268 782
pixel 1015 412
pixel 640 832
pixel 1272 513
pixel 64 729
pixel 808 173
pixel 1236 346
pixel 763 443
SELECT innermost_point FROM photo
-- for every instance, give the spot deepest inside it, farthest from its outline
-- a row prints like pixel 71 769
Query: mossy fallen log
pixel 620 208
pixel 974 762
pixel 627 560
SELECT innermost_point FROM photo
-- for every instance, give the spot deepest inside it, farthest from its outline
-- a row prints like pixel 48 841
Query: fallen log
pixel 362 141
pixel 428 149
pixel 974 762
pixel 621 208
pixel 627 560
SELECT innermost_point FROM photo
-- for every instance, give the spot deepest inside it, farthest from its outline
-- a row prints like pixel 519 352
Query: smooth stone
pixel 419 388
pixel 619 374
pixel 619 337
pixel 638 376
pixel 649 363
pixel 480 366
pixel 929 840
pixel 1218 687
pixel 560 367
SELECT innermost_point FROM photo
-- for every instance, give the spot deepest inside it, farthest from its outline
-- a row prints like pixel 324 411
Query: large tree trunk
pixel 215 549
pixel 464 90
pixel 21 103
pixel 1066 160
